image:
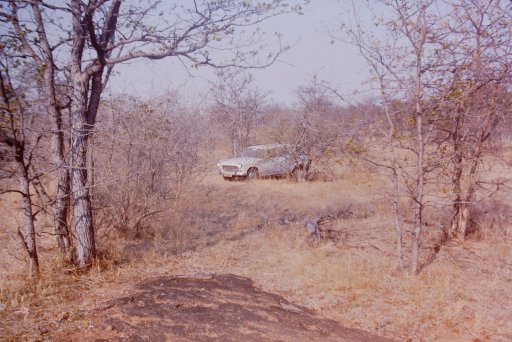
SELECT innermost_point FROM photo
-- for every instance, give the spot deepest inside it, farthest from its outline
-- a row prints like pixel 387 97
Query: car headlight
pixel 239 165
pixel 218 164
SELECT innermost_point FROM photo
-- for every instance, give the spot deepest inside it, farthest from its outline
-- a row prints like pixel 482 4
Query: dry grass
pixel 361 288
pixel 235 227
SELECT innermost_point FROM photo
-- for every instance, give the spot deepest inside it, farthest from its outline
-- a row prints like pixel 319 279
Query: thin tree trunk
pixel 29 240
pixel 90 166
pixel 92 110
pixel 396 189
pixel 61 206
pixel 468 200
pixel 456 179
pixel 418 197
pixel 465 215
pixel 420 170
pixel 398 224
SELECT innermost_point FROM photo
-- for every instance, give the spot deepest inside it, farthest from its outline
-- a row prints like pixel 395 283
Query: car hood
pixel 240 160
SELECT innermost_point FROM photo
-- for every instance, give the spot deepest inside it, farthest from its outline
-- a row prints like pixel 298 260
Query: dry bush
pixel 492 221
pixel 315 126
pixel 237 109
pixel 318 137
pixel 148 157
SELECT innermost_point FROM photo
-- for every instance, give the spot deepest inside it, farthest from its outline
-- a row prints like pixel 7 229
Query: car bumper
pixel 231 174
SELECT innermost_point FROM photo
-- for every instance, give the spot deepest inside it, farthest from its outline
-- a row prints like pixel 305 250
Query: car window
pixel 266 153
pixel 254 153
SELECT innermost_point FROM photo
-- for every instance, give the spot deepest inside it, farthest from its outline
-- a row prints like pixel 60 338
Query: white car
pixel 264 161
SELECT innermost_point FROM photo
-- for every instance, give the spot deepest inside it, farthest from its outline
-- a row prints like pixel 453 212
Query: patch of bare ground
pixel 220 307
pixel 255 230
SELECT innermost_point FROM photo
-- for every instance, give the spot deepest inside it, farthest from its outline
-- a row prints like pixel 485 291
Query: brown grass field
pixel 256 230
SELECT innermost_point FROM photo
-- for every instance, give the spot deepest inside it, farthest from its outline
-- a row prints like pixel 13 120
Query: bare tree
pixel 475 97
pixel 238 106
pixel 317 126
pixel 387 128
pixel 42 53
pixel 402 65
pixel 311 127
pixel 85 40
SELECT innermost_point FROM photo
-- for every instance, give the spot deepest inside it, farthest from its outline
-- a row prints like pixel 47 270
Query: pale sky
pixel 312 53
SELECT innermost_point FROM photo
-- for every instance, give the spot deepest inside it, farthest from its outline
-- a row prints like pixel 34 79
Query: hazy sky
pixel 312 53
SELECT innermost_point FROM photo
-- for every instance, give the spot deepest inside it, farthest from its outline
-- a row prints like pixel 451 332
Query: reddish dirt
pixel 213 308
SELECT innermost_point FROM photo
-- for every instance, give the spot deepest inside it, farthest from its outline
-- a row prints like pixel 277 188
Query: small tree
pixel 404 65
pixel 312 126
pixel 475 98
pixel 238 106
pixel 18 143
pixel 316 127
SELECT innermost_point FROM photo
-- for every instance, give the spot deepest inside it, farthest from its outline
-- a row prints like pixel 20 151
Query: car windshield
pixel 267 153
pixel 252 152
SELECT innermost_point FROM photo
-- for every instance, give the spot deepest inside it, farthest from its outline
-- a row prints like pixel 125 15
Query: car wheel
pixel 252 174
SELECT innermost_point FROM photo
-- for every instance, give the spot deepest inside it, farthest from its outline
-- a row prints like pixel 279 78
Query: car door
pixel 267 166
pixel 279 161
pixel 285 162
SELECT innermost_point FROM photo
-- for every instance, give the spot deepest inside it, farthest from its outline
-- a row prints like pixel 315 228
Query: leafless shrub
pixel 314 126
pixel 491 221
pixel 237 108
pixel 150 156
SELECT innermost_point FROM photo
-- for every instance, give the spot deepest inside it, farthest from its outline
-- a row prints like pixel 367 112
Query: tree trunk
pixel 396 192
pixel 398 225
pixel 29 240
pixel 82 209
pixel 463 200
pixel 61 206
pixel 468 200
pixel 420 172
pixel 456 179
pixel 60 212
pixel 418 198
pixel 464 222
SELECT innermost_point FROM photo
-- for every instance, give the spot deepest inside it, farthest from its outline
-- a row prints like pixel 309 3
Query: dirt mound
pixel 220 307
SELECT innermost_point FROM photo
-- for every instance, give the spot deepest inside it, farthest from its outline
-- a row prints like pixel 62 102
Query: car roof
pixel 266 147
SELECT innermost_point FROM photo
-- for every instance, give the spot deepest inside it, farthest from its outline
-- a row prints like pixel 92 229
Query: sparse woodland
pixel 410 186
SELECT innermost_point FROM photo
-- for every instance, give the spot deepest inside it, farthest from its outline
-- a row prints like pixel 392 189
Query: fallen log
pixel 312 226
